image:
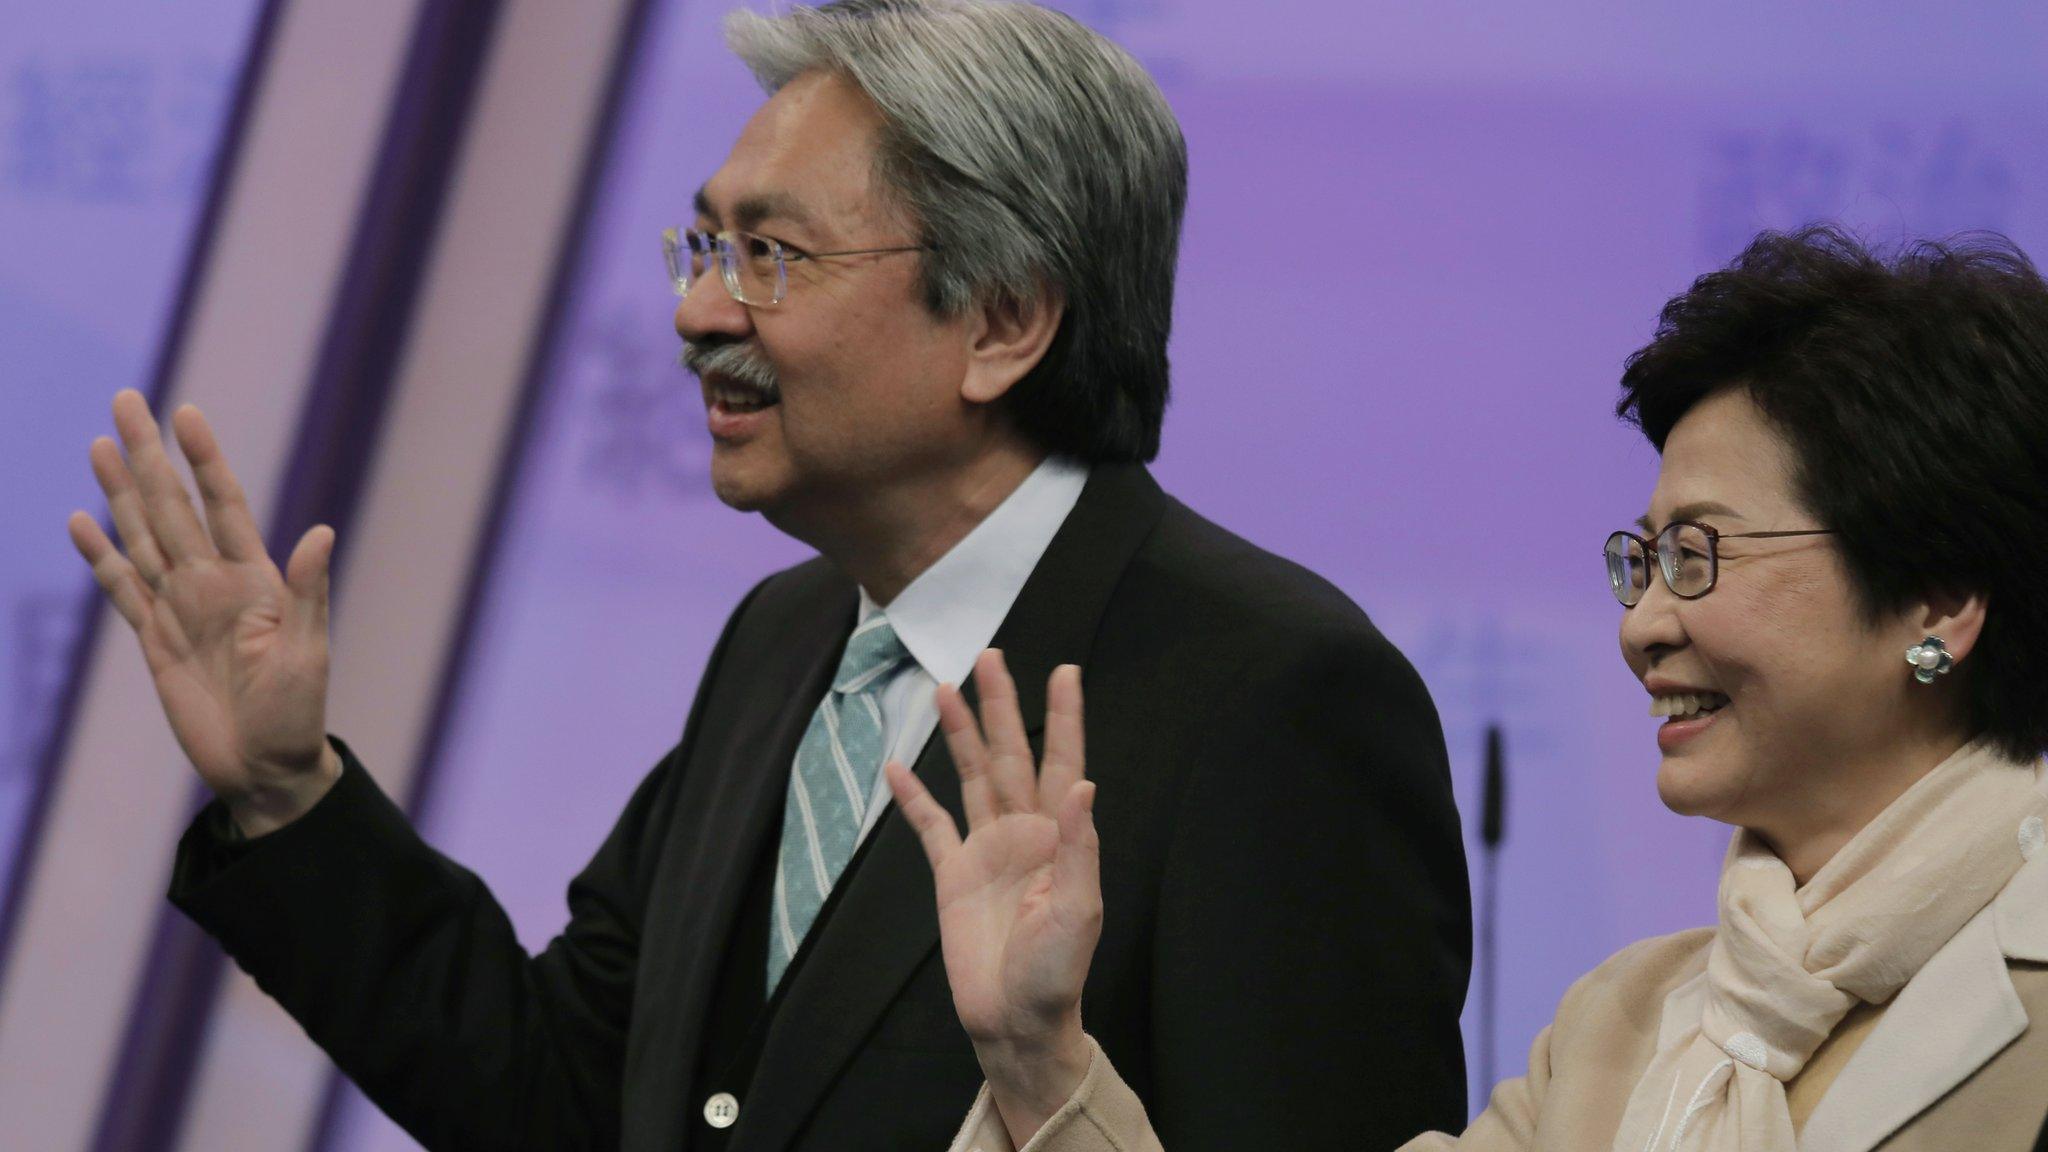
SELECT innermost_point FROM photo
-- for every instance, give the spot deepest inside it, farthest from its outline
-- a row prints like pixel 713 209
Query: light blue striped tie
pixel 828 792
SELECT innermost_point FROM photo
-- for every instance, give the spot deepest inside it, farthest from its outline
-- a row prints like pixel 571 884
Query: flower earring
pixel 1930 658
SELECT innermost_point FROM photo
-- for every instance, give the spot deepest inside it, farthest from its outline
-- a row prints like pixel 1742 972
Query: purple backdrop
pixel 1419 243
pixel 109 114
pixel 1418 247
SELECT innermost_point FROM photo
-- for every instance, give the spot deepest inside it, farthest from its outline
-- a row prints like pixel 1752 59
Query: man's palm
pixel 238 650
pixel 243 690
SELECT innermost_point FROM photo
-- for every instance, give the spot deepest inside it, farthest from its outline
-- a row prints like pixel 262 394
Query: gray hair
pixel 1037 159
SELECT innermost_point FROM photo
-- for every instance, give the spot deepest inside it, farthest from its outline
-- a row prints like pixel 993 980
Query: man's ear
pixel 1958 618
pixel 1007 338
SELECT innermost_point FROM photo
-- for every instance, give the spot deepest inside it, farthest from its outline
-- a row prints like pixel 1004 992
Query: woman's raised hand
pixel 237 649
pixel 1020 899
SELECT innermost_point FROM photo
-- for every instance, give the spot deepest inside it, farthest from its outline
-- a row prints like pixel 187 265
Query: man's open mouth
pixel 738 397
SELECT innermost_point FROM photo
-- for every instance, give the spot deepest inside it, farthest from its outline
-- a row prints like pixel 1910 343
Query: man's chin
pixel 740 489
pixel 739 497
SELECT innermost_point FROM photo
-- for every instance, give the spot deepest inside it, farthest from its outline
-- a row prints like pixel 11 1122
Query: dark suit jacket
pixel 1283 883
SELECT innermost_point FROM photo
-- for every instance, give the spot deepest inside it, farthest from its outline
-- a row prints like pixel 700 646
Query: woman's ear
pixel 1958 618
pixel 1006 341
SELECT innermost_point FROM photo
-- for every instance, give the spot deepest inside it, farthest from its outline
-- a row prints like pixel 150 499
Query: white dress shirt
pixel 948 615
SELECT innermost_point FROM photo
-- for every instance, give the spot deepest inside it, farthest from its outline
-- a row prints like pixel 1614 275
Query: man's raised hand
pixel 237 649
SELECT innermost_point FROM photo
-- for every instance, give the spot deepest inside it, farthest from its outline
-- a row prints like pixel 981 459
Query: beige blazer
pixel 1952 1063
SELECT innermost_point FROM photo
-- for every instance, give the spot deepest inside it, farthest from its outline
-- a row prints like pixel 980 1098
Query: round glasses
pixel 1688 556
pixel 755 268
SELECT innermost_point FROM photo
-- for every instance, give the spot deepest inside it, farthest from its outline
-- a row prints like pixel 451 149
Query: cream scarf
pixel 1788 962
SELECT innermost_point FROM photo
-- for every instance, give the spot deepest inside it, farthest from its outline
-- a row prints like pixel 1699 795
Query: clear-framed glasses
pixel 755 268
pixel 1688 556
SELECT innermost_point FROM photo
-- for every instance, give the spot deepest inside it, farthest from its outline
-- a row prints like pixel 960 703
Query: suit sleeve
pixel 1314 928
pixel 401 965
pixel 1103 1115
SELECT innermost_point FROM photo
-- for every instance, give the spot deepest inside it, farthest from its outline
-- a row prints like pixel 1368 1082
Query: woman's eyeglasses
pixel 1688 555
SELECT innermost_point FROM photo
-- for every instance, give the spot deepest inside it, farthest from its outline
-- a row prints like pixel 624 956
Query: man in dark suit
pixel 927 297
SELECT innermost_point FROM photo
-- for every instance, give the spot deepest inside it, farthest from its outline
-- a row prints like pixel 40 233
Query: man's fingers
pixel 124 501
pixel 227 507
pixel 306 577
pixel 970 756
pixel 1011 771
pixel 933 823
pixel 165 502
pixel 1065 746
pixel 115 575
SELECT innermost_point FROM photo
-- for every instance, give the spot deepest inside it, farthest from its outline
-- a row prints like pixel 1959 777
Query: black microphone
pixel 1493 805
pixel 1493 829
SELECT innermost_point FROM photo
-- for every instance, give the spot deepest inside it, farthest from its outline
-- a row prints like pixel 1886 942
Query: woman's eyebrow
pixel 1692 511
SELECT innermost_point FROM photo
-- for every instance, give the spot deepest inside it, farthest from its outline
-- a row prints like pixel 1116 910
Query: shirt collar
pixel 952 610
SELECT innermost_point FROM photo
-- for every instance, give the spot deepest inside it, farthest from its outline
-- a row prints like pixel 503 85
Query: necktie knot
pixel 871 653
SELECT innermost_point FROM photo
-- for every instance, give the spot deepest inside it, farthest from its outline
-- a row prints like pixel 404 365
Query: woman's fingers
pixel 1077 866
pixel 993 755
pixel 115 575
pixel 1010 769
pixel 1065 747
pixel 933 823
pixel 227 507
pixel 165 503
pixel 970 756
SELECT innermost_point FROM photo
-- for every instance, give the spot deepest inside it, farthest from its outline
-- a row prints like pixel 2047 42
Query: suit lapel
pixel 1952 1017
pixel 1058 609
pixel 886 922
pixel 726 831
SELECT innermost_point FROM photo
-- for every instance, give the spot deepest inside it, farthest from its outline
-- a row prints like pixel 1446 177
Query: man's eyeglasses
pixel 1688 555
pixel 755 268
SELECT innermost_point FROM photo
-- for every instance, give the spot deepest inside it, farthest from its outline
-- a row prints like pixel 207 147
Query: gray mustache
pixel 742 364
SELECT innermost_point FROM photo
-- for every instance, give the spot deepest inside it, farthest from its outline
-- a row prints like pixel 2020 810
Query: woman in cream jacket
pixel 1834 601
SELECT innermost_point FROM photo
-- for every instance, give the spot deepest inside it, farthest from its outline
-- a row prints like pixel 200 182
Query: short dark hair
pixel 1913 389
pixel 1034 156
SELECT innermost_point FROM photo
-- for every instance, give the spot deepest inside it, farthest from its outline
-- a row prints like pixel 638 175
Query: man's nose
pixel 708 311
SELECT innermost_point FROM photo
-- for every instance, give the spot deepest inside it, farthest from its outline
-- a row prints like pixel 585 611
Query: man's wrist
pixel 266 808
